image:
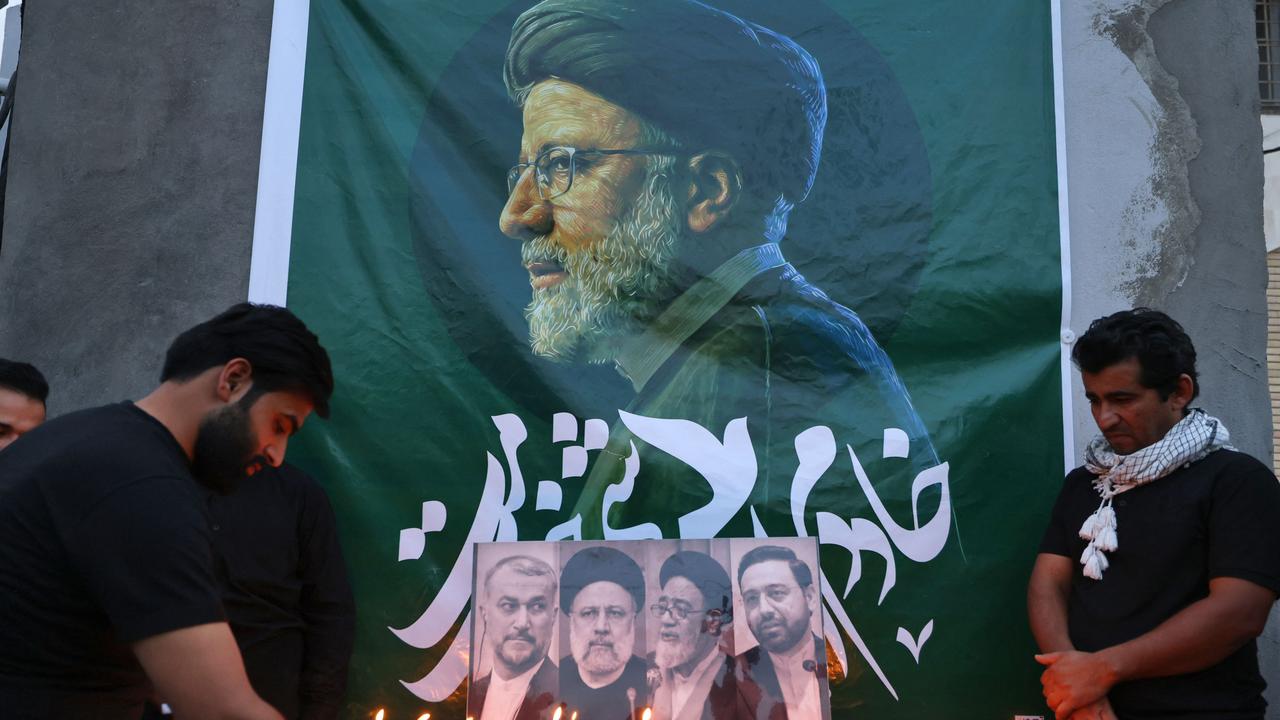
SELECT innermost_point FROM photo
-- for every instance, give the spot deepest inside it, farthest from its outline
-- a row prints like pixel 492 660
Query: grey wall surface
pixel 135 153
pixel 1165 183
pixel 133 173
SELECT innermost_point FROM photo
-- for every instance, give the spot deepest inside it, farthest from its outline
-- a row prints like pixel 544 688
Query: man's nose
pixel 1105 416
pixel 274 453
pixel 521 618
pixel 526 215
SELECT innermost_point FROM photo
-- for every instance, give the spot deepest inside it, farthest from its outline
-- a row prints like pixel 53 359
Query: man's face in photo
pixel 519 613
pixel 597 253
pixel 778 609
pixel 682 641
pixel 602 629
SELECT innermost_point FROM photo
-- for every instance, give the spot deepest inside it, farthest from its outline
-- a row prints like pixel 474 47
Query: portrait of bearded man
pixel 693 675
pixel 601 593
pixel 518 612
pixel 665 144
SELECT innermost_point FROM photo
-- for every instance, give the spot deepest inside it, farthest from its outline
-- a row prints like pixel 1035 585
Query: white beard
pixel 610 286
pixel 671 654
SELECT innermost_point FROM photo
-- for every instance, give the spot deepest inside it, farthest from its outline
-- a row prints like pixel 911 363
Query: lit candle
pixel 380 714
pixel 424 716
pixel 646 715
pixel 556 715
pixel 574 716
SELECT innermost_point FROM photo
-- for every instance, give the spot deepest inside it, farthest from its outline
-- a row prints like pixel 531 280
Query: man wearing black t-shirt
pixel 107 583
pixel 285 590
pixel 1162 557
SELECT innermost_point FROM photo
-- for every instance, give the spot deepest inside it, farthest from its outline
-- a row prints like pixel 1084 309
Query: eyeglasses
pixel 555 167
pixel 679 612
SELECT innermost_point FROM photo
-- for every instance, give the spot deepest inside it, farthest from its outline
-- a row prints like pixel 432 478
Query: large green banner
pixel 658 269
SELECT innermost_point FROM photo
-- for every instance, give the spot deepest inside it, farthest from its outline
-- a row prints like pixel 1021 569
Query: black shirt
pixel 103 542
pixel 606 703
pixel 1219 517
pixel 285 590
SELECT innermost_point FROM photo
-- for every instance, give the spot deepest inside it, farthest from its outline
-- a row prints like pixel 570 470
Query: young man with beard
pixel 602 591
pixel 1161 560
pixel 107 583
pixel 23 391
pixel 518 613
pixel 788 669
pixel 695 676
pixel 664 146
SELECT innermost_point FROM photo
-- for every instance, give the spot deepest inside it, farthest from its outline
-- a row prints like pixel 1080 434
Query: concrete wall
pixel 1165 181
pixel 134 161
pixel 132 179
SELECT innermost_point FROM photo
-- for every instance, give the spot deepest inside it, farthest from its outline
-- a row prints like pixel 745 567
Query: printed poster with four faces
pixel 649 630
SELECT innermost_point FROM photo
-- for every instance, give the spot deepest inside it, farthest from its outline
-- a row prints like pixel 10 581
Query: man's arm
pixel 1047 610
pixel 1047 602
pixel 199 673
pixel 1198 636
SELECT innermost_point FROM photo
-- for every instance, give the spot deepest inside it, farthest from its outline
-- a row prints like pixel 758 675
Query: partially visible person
pixel 1162 557
pixel 285 590
pixel 107 582
pixel 23 392
pixel 602 591
pixel 695 677
pixel 788 669
pixel 518 610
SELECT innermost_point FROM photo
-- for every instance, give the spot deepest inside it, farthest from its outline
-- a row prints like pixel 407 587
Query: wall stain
pixel 1176 142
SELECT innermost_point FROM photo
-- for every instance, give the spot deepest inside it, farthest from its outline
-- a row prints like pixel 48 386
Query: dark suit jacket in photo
pixel 758 682
pixel 539 701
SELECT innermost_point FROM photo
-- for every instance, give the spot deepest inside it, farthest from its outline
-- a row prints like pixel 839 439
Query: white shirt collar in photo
pixel 683 687
pixel 800 690
pixel 503 698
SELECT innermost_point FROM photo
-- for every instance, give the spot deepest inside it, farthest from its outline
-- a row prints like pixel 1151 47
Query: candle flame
pixel 424 716
pixel 647 714
pixel 574 716
pixel 556 715
pixel 380 714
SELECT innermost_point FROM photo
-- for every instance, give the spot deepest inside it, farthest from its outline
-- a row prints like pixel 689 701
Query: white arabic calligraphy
pixel 729 468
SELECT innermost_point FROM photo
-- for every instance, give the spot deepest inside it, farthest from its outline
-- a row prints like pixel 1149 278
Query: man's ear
pixel 234 380
pixel 1186 388
pixel 715 184
pixel 811 596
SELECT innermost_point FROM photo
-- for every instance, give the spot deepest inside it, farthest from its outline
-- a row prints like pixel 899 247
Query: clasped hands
pixel 1075 685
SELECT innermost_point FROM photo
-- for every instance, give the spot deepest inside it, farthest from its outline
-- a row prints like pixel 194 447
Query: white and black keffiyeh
pixel 1193 438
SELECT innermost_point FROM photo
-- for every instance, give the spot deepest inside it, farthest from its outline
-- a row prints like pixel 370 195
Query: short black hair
pixel 285 355
pixel 24 378
pixel 765 553
pixel 1162 348
pixel 704 572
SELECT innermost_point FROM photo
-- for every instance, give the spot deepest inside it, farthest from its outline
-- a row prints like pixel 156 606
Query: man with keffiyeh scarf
pixel 1162 557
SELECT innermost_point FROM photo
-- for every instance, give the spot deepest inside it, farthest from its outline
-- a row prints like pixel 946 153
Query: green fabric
pixel 933 217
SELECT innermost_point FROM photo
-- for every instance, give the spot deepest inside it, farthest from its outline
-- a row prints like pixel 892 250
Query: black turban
pixel 600 564
pixel 704 572
pixel 711 80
